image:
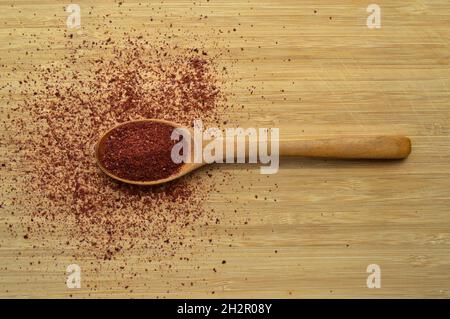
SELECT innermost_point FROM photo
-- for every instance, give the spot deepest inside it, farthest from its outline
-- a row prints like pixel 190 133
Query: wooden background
pixel 315 69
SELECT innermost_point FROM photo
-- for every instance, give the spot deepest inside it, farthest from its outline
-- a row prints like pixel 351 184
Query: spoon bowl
pixel 184 169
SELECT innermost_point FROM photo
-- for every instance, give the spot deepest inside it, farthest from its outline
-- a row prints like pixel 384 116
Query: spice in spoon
pixel 139 151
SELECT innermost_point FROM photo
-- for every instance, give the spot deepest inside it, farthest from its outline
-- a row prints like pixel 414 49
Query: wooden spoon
pixel 356 147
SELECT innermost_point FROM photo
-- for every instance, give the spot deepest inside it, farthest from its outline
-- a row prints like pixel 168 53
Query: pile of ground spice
pixel 67 104
pixel 139 151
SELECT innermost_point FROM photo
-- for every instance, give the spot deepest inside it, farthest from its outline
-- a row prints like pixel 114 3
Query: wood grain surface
pixel 315 69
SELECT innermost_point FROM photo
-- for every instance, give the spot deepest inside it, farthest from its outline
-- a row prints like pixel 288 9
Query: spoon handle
pixel 358 147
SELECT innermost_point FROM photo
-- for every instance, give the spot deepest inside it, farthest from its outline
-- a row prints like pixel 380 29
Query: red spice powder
pixel 139 151
pixel 69 103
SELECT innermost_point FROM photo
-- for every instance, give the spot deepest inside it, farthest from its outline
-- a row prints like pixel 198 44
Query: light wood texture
pixel 314 227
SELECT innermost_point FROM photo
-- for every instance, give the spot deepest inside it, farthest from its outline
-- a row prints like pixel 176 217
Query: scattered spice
pixel 69 103
pixel 61 91
pixel 139 151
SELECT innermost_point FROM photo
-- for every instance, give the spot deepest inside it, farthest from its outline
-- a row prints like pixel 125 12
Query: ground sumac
pixel 139 151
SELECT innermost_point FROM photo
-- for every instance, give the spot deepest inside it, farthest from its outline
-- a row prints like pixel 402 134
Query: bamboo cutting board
pixel 315 68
